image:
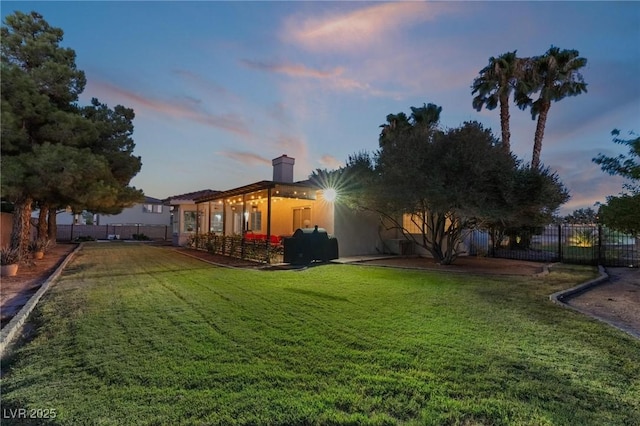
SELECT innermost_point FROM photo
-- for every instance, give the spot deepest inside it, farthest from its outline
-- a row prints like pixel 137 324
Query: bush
pixel 140 237
pixel 83 238
pixel 9 256
pixel 39 245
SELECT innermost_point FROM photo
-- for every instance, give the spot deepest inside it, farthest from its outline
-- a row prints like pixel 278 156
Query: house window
pixel 189 222
pixel 412 223
pixel 301 218
pixel 255 221
pixel 175 223
pixel 152 208
pixel 216 222
pixel 237 222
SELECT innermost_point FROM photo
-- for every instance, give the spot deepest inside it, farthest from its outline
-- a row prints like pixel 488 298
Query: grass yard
pixel 133 334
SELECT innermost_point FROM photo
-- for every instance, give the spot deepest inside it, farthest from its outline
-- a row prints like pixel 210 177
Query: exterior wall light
pixel 330 195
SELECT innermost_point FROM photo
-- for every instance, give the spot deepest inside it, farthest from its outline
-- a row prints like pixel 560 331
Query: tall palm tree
pixel 423 118
pixel 494 85
pixel 396 123
pixel 555 74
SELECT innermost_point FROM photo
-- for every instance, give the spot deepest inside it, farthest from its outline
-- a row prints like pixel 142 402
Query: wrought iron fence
pixel 579 244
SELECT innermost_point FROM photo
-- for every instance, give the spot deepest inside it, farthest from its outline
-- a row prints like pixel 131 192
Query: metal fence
pixel 579 244
pixel 119 232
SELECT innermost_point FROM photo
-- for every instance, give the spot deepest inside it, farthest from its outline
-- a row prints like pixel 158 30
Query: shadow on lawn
pixel 72 272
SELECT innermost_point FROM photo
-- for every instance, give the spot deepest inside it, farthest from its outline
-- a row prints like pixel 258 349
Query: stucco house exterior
pixel 184 214
pixel 273 209
pixel 151 211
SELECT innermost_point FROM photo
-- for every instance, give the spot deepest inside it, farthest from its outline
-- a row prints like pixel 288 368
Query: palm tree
pixel 423 118
pixel 396 123
pixel 494 85
pixel 555 74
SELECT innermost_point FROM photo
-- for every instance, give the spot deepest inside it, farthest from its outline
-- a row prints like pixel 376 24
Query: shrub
pixel 9 256
pixel 41 244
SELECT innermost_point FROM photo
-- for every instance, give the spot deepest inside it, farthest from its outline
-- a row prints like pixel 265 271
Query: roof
pixel 151 200
pixel 252 187
pixel 191 195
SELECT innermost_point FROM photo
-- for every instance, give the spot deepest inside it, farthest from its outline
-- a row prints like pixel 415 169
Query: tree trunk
pixel 52 226
pixel 20 233
pixel 537 142
pixel 504 123
pixel 42 222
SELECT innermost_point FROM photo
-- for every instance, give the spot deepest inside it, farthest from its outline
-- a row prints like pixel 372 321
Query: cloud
pixel 360 28
pixel 333 78
pixel 330 162
pixel 292 70
pixel 205 85
pixel 584 179
pixel 188 108
pixel 245 157
pixel 291 145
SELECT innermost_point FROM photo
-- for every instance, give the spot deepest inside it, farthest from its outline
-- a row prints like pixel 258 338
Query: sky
pixel 219 89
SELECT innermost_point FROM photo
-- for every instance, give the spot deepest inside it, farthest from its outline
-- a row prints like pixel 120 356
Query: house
pixel 272 209
pixel 151 211
pixel 183 214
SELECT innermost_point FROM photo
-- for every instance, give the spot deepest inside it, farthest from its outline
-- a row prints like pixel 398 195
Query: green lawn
pixel 133 334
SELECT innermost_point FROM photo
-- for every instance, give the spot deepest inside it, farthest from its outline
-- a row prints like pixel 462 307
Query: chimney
pixel 283 169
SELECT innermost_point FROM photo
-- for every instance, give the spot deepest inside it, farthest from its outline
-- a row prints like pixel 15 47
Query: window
pixel 175 223
pixel 255 221
pixel 301 218
pixel 412 223
pixel 152 208
pixel 216 222
pixel 189 222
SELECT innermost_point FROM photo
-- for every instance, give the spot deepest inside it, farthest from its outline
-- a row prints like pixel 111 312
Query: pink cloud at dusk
pixel 586 181
pixel 292 70
pixel 330 162
pixel 205 85
pixel 232 123
pixel 359 28
pixel 333 78
pixel 245 157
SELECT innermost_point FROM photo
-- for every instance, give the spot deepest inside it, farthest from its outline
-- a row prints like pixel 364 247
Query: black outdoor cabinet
pixel 308 245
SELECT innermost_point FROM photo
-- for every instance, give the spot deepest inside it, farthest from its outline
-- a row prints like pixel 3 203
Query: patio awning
pixel 304 190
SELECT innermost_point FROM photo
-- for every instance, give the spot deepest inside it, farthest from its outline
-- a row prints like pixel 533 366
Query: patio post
pixel 197 226
pixel 268 224
pixel 244 225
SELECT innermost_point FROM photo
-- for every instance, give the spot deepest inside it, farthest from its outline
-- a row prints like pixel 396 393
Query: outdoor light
pixel 330 195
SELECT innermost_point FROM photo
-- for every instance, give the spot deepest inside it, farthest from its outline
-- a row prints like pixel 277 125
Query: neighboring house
pixel 151 211
pixel 184 213
pixel 272 209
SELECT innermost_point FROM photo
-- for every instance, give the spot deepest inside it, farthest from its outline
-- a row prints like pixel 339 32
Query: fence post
pixel 71 231
pixel 559 242
pixel 600 262
pixel 165 232
pixel 492 242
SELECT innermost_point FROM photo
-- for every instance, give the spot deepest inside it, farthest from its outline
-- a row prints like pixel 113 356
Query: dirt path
pixel 16 291
pixel 616 301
